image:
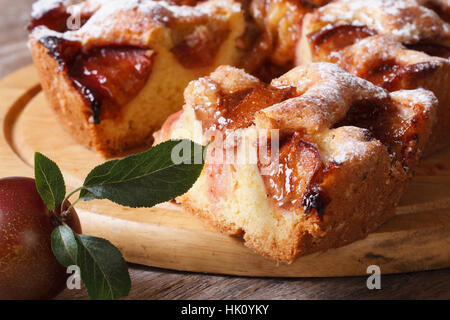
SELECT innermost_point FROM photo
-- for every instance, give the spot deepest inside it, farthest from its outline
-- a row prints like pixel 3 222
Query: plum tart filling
pixel 199 48
pixel 56 18
pixel 336 37
pixel 107 77
pixel 294 180
pixel 431 49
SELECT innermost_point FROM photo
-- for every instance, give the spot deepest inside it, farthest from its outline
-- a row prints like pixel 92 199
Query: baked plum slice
pixel 431 49
pixel 334 38
pixel 110 77
pixel 293 181
pixel 107 77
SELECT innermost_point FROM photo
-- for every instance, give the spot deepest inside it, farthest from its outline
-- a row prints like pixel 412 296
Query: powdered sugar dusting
pixel 406 20
pixel 332 84
pixel 420 96
pixel 159 11
pixel 325 94
pixel 140 18
pixel 41 7
pixel 344 144
pixel 366 53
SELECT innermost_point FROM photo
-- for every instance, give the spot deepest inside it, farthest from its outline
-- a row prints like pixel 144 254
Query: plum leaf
pixel 64 245
pixel 49 181
pixel 159 174
pixel 103 269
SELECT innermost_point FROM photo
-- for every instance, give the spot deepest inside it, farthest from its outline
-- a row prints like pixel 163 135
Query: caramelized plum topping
pixel 394 77
pixel 314 3
pixel 370 115
pixel 54 19
pixel 242 115
pixel 384 74
pixel 443 12
pixel 292 181
pixel 62 50
pixel 212 115
pixel 199 48
pixel 334 38
pixel 385 123
pixel 111 76
pixel 315 199
pixel 267 71
pixel 431 49
pixel 237 110
pixel 107 77
pixel 191 3
pixel 254 43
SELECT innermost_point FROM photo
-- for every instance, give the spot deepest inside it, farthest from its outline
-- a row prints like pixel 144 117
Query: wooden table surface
pixel 153 283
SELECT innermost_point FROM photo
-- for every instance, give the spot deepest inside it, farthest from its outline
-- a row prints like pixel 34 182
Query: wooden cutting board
pixel 418 238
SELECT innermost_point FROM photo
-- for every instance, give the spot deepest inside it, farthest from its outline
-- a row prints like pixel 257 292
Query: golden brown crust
pixel 75 119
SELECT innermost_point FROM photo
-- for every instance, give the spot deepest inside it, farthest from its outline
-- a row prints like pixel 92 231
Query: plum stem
pixel 72 193
pixel 66 212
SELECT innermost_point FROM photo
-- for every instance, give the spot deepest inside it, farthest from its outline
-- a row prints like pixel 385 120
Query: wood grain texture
pixel 154 283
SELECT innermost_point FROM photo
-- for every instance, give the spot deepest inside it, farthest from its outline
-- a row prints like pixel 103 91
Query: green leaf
pixel 97 174
pixel 64 246
pixel 159 174
pixel 49 181
pixel 103 270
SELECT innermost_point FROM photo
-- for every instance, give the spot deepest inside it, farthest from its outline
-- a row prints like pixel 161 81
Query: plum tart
pixel 314 160
pixel 401 44
pixel 115 78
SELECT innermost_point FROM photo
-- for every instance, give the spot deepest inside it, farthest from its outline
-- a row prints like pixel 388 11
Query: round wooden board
pixel 418 238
